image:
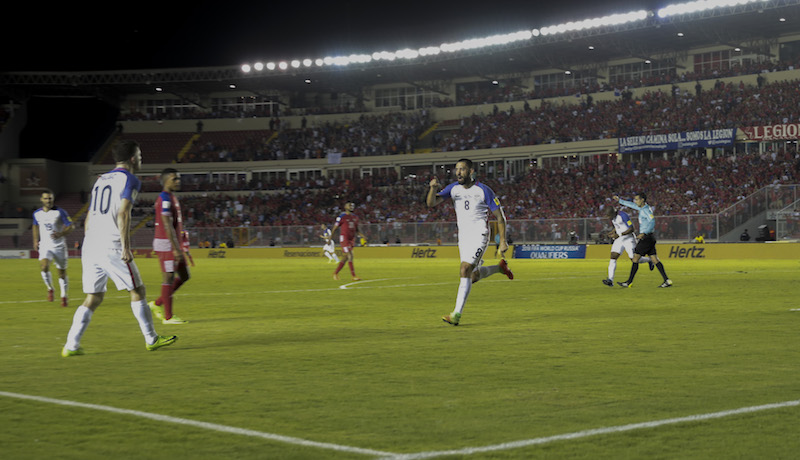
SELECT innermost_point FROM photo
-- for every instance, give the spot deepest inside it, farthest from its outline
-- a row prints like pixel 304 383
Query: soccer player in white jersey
pixel 329 248
pixel 51 225
pixel 624 238
pixel 472 201
pixel 107 252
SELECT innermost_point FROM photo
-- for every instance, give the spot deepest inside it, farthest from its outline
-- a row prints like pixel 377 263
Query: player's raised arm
pixel 433 188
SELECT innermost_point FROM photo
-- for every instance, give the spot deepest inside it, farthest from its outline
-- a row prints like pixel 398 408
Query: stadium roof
pixel 751 26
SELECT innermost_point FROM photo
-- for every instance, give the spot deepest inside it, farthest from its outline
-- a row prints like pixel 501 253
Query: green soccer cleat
pixel 174 320
pixel 66 352
pixel 452 318
pixel 157 311
pixel 162 341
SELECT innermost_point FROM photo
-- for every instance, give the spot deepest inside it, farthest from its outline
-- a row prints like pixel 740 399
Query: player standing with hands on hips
pixel 107 252
pixel 646 245
pixel 472 201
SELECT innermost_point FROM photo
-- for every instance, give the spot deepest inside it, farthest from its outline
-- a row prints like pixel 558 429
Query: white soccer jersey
pixel 49 222
pixel 106 198
pixel 472 206
pixel 622 222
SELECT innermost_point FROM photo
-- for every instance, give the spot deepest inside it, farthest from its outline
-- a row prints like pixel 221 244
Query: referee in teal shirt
pixel 646 245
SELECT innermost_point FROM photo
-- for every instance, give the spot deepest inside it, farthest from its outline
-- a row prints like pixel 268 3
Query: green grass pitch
pixel 280 349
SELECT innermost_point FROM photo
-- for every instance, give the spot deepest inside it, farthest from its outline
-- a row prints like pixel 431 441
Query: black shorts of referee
pixel 646 246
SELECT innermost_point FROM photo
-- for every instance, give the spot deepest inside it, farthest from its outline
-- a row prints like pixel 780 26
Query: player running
pixel 472 201
pixel 51 225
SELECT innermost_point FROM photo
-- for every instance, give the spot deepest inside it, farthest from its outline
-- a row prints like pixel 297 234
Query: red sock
pixel 352 270
pixel 339 268
pixel 166 300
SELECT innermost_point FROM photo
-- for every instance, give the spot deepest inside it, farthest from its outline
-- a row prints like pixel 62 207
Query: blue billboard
pixel 550 251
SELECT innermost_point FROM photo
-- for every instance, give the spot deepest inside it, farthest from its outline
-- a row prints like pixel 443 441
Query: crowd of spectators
pixel 682 185
pixel 721 106
pixel 385 134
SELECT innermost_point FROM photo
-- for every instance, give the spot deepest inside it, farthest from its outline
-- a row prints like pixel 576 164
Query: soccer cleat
pixel 667 283
pixel 608 282
pixel 625 284
pixel 336 276
pixel 157 311
pixel 66 353
pixel 63 301
pixel 162 341
pixel 355 278
pixel 174 320
pixel 50 295
pixel 652 265
pixel 452 318
pixel 505 270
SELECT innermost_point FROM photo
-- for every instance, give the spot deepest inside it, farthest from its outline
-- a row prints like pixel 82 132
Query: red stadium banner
pixel 773 132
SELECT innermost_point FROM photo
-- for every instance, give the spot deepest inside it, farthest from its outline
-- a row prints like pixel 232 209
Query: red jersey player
pixel 347 223
pixel 168 246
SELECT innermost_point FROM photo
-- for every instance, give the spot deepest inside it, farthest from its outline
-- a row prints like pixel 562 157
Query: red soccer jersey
pixel 167 204
pixel 348 226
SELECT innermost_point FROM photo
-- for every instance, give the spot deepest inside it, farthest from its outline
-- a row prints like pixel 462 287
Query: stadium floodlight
pixel 270 66
pixel 384 56
pixel 605 21
pixel 307 62
pixel 258 66
pixel 246 68
pixel 295 64
pixel 699 5
pixel 319 62
pixel 283 65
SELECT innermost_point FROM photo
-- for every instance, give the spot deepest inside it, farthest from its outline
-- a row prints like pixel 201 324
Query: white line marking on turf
pixel 203 425
pixel 347 286
pixel 593 432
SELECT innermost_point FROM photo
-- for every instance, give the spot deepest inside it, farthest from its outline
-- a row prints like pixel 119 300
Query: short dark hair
pixel 643 196
pixel 469 163
pixel 166 172
pixel 124 150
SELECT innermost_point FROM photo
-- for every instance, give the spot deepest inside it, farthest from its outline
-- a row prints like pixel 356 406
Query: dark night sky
pixel 229 33
pixel 65 38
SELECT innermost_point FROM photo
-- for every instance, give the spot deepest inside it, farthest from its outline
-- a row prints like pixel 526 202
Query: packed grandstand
pixel 545 140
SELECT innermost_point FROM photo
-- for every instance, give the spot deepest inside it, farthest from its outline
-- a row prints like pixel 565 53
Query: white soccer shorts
pixel 59 256
pixel 471 247
pixel 101 265
pixel 627 242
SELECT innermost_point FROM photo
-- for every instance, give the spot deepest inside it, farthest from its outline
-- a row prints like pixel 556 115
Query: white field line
pixel 203 425
pixel 592 432
pixel 414 456
pixel 358 285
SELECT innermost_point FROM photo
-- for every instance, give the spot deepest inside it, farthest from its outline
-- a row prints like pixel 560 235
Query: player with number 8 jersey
pixel 472 201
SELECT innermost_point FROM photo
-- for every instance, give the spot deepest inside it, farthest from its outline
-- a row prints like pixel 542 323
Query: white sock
pixel 80 321
pixel 483 272
pixel 142 313
pixel 612 268
pixel 48 280
pixel 63 283
pixel 464 286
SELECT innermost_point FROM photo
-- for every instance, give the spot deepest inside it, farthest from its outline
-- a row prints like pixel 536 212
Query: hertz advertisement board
pixel 666 251
pixel 712 251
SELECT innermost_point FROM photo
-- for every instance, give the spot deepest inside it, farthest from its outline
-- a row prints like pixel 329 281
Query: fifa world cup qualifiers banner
pixel 773 133
pixel 550 251
pixel 673 141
